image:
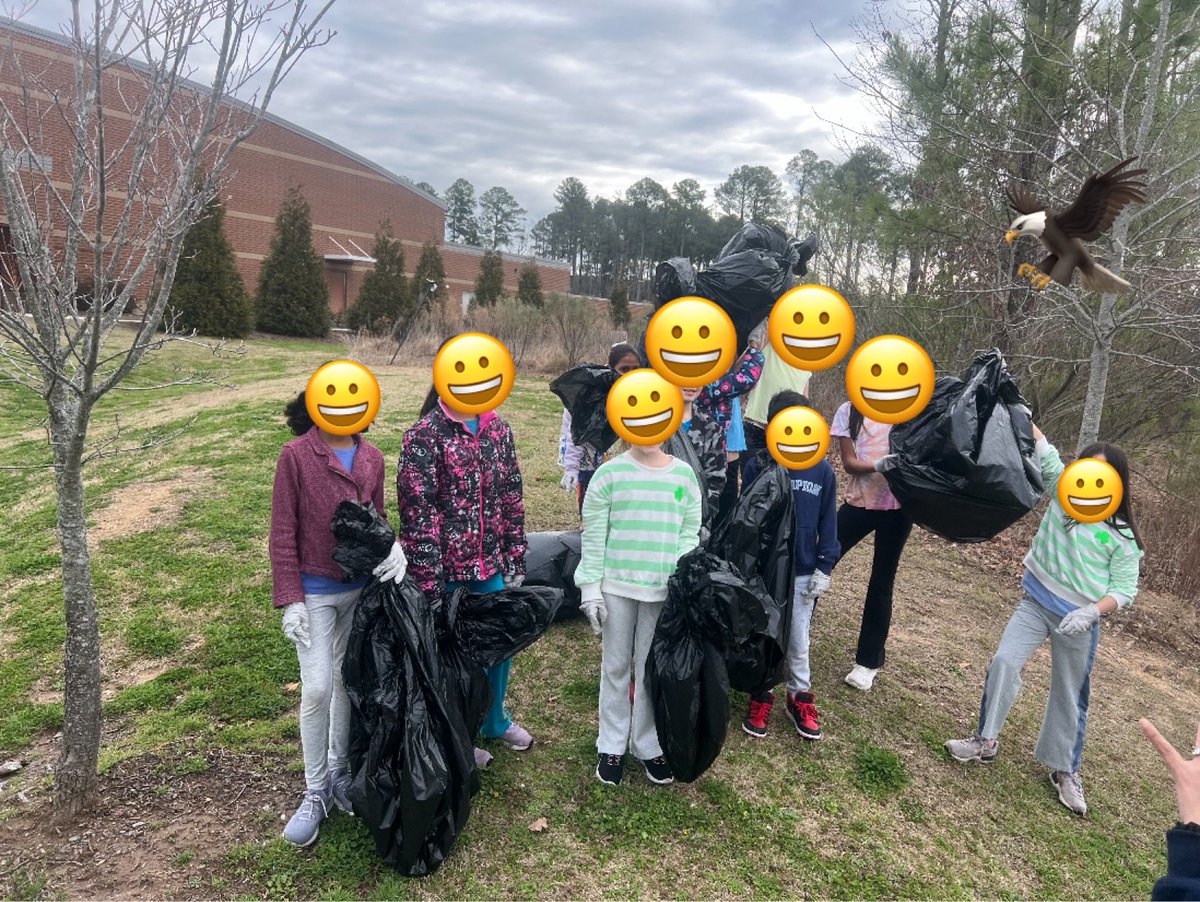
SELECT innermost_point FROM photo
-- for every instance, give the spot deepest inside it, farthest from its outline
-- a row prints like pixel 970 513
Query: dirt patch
pixel 153 834
pixel 145 505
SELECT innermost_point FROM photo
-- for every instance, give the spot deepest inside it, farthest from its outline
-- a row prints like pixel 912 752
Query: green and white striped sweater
pixel 637 522
pixel 1086 562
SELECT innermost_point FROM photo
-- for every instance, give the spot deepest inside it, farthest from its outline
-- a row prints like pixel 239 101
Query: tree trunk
pixel 75 776
pixel 1093 405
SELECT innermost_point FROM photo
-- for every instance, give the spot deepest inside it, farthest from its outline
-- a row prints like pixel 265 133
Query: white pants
pixel 324 705
pixel 797 656
pixel 628 630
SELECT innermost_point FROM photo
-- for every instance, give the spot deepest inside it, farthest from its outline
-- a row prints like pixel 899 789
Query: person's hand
pixel 818 585
pixel 1079 620
pixel 392 567
pixel 887 462
pixel 570 481
pixel 295 624
pixel 759 335
pixel 591 602
pixel 513 580
pixel 1186 772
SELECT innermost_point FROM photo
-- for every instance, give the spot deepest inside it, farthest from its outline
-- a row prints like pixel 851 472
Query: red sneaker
pixel 755 723
pixel 803 713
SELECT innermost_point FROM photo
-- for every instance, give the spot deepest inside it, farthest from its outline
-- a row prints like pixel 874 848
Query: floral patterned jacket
pixel 715 399
pixel 461 513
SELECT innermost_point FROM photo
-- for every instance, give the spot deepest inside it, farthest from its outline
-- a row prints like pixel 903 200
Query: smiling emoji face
pixel 798 437
pixel 811 327
pixel 473 373
pixel 690 341
pixel 342 397
pixel 644 408
pixel 1090 490
pixel 889 379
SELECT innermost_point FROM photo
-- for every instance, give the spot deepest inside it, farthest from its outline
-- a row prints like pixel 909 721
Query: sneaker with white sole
pixel 972 748
pixel 862 677
pixel 1070 790
pixel 658 771
pixel 339 788
pixel 516 737
pixel 609 769
pixel 305 825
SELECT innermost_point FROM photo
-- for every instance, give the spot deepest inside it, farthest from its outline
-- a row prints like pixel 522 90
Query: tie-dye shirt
pixel 871 490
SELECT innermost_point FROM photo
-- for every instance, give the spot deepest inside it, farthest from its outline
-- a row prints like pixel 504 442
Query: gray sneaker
pixel 1070 790
pixel 305 824
pixel 339 788
pixel 972 749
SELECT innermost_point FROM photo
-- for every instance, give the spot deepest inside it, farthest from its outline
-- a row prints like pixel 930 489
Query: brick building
pixel 349 195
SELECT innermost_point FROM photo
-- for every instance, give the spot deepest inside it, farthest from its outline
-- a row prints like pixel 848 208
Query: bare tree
pixel 146 150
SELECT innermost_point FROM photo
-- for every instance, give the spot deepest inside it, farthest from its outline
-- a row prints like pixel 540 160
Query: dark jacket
pixel 459 494
pixel 1183 865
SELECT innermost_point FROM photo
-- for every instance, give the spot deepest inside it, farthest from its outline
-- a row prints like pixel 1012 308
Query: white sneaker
pixel 862 677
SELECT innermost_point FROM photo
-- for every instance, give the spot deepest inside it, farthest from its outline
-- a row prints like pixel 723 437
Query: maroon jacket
pixel 309 485
pixel 461 513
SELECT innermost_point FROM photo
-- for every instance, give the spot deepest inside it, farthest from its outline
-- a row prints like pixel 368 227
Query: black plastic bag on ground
pixel 967 467
pixel 550 560
pixel 708 608
pixel 583 390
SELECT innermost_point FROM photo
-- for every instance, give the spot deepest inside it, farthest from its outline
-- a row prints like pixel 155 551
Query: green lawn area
pixel 195 665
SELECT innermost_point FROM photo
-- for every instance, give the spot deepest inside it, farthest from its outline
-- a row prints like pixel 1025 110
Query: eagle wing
pixel 1100 201
pixel 1022 201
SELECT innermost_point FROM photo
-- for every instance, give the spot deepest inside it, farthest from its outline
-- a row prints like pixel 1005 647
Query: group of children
pixel 462 522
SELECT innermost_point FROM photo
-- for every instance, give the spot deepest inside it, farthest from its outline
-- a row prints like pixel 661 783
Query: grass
pixel 195 660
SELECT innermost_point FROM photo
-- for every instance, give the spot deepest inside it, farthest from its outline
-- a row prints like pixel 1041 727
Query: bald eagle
pixel 1100 200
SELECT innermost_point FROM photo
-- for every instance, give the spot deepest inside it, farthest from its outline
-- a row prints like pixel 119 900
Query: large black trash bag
pixel 550 560
pixel 967 467
pixel 708 608
pixel 494 626
pixel 674 278
pixel 364 538
pixel 465 684
pixel 756 539
pixel 583 390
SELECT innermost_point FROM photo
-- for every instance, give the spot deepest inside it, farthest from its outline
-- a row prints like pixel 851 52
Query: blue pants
pixel 496 721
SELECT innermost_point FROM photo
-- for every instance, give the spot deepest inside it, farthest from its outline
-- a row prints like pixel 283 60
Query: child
pixel 462 522
pixel 814 552
pixel 641 514
pixel 315 473
pixel 870 507
pixel 1074 573
pixel 578 464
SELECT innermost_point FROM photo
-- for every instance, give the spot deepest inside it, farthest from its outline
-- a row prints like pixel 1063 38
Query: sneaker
pixel 972 749
pixel 516 737
pixel 482 758
pixel 339 788
pixel 609 769
pixel 1070 790
pixel 658 771
pixel 803 714
pixel 305 824
pixel 755 723
pixel 862 677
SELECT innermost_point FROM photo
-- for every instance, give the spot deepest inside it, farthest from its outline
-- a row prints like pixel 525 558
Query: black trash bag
pixel 756 539
pixel 678 445
pixel 550 560
pixel 708 608
pixel 967 467
pixel 463 679
pixel 364 538
pixel 583 390
pixel 494 626
pixel 674 278
pixel 793 253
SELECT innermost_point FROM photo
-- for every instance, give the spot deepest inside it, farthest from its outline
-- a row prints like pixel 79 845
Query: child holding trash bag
pixel 870 507
pixel 462 522
pixel 1075 572
pixel 316 471
pixel 641 514
pixel 578 464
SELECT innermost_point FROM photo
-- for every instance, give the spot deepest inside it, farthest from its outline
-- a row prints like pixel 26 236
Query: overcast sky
pixel 523 93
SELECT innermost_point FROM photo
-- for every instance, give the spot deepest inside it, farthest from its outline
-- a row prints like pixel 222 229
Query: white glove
pixel 591 602
pixel 570 481
pixel 513 580
pixel 887 462
pixel 1079 620
pixel 295 623
pixel 818 585
pixel 393 566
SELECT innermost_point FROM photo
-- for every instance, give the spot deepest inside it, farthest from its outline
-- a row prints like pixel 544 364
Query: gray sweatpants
pixel 628 630
pixel 324 705
pixel 797 654
pixel 1060 742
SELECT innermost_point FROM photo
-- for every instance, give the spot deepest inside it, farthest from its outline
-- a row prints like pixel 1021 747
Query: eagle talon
pixel 1026 270
pixel 1041 281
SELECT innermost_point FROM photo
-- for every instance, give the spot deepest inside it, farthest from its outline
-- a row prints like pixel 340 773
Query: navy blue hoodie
pixel 814 502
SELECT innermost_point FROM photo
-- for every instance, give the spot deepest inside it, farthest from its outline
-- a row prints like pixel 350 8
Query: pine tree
pixel 208 295
pixel 529 286
pixel 489 284
pixel 429 269
pixel 618 306
pixel 384 297
pixel 293 298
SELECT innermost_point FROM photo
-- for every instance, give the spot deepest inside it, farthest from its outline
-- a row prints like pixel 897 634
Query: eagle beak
pixel 1010 235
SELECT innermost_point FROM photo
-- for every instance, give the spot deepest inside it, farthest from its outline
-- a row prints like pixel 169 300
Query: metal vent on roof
pixel 346 256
